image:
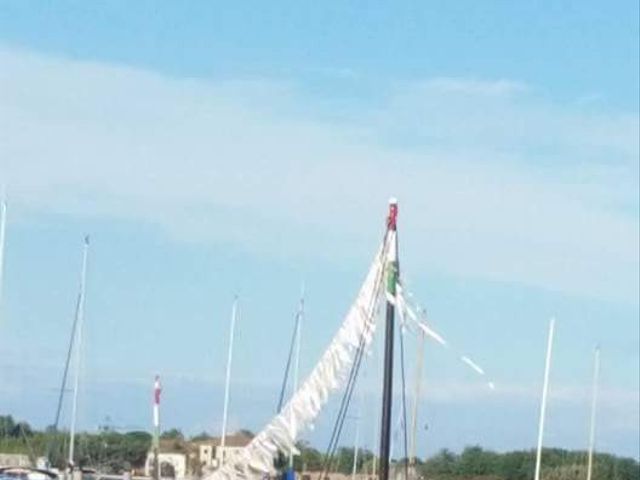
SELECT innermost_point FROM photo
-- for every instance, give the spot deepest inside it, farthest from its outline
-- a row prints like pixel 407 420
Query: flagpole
pixel 225 408
pixel 594 400
pixel 157 389
pixel 387 382
pixel 545 390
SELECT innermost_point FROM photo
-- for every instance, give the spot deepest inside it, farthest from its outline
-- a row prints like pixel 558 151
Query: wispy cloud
pixel 495 182
pixel 474 87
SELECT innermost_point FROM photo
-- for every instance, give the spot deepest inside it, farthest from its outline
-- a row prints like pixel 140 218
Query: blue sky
pixel 211 149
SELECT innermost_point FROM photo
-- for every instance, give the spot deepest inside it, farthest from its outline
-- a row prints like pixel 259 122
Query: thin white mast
pixel 3 224
pixel 545 389
pixel 356 442
pixel 416 398
pixel 376 410
pixel 78 347
pixel 234 314
pixel 594 400
pixel 296 363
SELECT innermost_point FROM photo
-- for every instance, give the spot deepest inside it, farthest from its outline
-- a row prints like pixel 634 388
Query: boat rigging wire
pixel 404 403
pixel 353 373
pixel 285 380
pixel 65 374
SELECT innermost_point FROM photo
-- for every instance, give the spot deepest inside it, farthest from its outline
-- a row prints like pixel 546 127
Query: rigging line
pixel 337 428
pixel 333 439
pixel 354 367
pixel 359 350
pixel 376 401
pixel 404 404
pixel 66 365
pixel 328 459
pixel 427 330
pixel 64 375
pixel 32 455
pixel 288 367
pixel 352 382
pixel 343 418
pixel 350 394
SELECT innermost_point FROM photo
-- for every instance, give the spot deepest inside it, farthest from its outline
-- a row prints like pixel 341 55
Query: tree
pixel 627 469
pixel 343 460
pixel 173 434
pixel 22 429
pixel 475 461
pixel 7 424
pixel 516 465
pixel 309 460
pixel 442 464
pixel 201 436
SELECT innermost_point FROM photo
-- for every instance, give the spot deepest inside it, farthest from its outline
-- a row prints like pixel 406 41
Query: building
pixel 211 454
pixel 178 458
pixel 172 464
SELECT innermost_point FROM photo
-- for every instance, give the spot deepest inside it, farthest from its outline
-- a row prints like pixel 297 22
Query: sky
pixel 213 149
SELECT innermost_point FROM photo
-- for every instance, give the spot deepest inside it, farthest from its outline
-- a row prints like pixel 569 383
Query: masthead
pixel 393 213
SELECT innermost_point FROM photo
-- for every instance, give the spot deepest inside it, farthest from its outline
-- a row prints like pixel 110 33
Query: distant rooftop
pixel 235 440
pixel 239 439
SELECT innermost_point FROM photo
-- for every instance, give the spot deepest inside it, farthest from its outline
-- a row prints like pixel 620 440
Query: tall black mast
pixel 387 382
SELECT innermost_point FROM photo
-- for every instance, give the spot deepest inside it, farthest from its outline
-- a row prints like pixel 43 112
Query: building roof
pixel 170 445
pixel 173 445
pixel 235 440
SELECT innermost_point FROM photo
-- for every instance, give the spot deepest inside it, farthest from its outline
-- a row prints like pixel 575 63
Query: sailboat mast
pixel 594 400
pixel 376 411
pixel 387 381
pixel 3 224
pixel 416 399
pixel 356 441
pixel 296 363
pixel 78 346
pixel 545 390
pixel 225 409
pixel 356 449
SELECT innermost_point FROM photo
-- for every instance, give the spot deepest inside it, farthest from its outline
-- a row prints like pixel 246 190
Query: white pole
pixel 234 314
pixel 296 363
pixel 594 400
pixel 545 389
pixel 376 399
pixel 3 224
pixel 78 347
pixel 416 398
pixel 356 442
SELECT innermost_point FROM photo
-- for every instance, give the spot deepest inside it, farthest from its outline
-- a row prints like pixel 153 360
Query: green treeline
pixel 112 452
pixel 476 463
pixel 558 464
pixel 108 451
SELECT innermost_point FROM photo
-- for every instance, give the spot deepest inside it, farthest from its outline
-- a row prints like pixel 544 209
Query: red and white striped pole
pixel 157 389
